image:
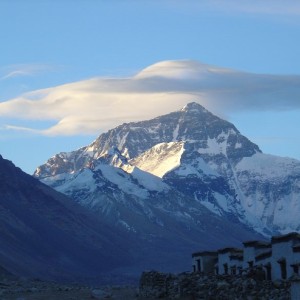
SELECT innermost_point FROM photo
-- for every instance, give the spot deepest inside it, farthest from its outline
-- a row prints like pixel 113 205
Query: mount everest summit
pixel 182 164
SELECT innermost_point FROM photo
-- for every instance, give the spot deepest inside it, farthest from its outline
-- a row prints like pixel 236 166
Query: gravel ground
pixel 37 290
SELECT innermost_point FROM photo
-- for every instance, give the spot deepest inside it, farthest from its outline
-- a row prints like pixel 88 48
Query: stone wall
pixel 156 285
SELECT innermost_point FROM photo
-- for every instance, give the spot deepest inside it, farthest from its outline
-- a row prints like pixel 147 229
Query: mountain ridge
pixel 95 149
pixel 203 158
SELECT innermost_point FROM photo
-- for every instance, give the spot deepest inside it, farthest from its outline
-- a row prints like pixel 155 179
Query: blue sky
pixel 45 44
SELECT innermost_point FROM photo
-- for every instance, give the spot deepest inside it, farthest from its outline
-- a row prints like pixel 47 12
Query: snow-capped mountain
pixel 133 199
pixel 190 154
pixel 165 225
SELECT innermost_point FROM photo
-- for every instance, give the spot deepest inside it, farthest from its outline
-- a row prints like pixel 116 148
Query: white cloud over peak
pixel 92 106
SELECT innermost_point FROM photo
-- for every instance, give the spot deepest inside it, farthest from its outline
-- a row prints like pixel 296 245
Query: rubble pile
pixel 156 285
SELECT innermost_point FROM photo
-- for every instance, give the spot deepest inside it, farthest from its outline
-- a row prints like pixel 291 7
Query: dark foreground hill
pixel 45 234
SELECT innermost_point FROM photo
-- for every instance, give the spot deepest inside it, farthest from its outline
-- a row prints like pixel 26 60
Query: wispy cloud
pixel 20 128
pixel 91 106
pixel 21 70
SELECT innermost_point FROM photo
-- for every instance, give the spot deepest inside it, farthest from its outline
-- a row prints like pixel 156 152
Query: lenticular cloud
pixel 91 106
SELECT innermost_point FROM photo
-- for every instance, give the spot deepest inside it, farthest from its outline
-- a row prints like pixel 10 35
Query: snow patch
pixel 175 133
pixel 66 183
pixel 238 145
pixel 128 227
pixel 216 145
pixel 160 159
pixel 222 201
pixel 90 151
pixel 266 166
pixel 122 180
pixel 148 180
